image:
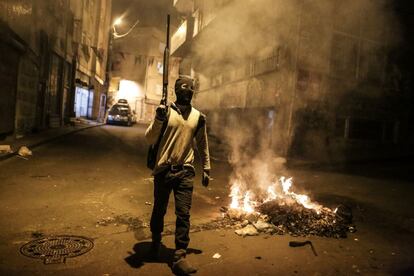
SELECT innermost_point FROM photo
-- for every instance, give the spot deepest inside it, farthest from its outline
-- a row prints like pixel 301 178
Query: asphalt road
pixel 94 183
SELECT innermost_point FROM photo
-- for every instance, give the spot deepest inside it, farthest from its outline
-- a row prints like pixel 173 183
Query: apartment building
pixel 137 70
pixel 317 76
pixel 52 50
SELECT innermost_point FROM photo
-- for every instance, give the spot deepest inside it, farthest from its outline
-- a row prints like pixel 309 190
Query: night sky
pixel 150 13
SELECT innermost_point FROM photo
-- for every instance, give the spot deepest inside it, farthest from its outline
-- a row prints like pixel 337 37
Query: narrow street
pixel 297 117
pixel 94 184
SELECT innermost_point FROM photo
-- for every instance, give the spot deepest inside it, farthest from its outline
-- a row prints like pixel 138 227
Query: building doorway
pixel 81 102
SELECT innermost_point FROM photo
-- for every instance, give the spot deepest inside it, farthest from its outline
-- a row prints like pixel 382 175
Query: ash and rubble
pixel 277 218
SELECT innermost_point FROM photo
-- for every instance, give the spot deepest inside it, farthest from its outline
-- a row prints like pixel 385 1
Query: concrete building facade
pixel 317 76
pixel 52 47
pixel 137 68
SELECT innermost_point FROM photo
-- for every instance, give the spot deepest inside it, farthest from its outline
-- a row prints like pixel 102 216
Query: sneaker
pixel 179 254
pixel 183 267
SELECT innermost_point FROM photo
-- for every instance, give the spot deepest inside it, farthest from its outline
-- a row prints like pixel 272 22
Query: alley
pixel 296 115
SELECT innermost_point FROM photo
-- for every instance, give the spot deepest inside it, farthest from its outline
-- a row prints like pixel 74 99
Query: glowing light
pixel 118 21
pixel 247 207
pixel 286 184
pixel 235 196
pixel 271 194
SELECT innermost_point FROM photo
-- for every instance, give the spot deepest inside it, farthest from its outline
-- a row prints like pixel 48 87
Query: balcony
pixel 181 39
pixel 184 6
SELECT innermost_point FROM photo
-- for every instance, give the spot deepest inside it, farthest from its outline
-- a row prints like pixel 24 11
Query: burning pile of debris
pixel 285 212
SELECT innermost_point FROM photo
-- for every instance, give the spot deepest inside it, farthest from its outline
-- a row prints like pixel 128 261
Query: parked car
pixel 121 113
pixel 123 101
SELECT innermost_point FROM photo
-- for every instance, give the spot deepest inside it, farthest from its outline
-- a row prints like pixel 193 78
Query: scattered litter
pixel 253 217
pixel 24 151
pixel 249 230
pixel 5 149
pixel 149 179
pixel 22 157
pixel 262 225
pixel 37 234
pixel 148 203
pixel 217 197
pixel 258 258
pixel 132 223
pixel 303 243
pixel 223 209
pixel 351 229
pixel 356 239
pixel 297 220
pixel 216 256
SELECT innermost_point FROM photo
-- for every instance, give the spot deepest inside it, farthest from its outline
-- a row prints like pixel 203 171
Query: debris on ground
pixel 279 218
pixel 261 225
pixel 249 230
pixel 216 256
pixel 223 209
pixel 149 179
pixel 5 149
pixel 24 151
pixel 297 220
pixel 303 243
pixel 37 234
pixel 148 203
pixel 133 223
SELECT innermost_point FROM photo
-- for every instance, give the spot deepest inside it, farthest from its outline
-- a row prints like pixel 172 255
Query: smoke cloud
pixel 305 33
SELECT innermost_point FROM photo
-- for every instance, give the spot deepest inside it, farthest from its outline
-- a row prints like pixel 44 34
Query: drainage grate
pixel 55 249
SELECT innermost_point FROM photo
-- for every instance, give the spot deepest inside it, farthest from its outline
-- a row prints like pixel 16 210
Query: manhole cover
pixel 55 249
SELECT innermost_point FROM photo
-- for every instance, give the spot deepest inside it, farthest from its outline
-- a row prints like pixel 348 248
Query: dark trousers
pixel 181 182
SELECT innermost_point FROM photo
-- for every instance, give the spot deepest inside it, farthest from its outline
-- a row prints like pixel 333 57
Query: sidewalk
pixel 37 139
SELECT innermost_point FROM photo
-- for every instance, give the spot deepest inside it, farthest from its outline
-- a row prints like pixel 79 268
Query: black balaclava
pixel 184 90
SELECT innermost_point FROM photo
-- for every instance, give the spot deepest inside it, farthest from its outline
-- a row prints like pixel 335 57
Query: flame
pixel 271 194
pixel 235 196
pixel 286 184
pixel 242 200
pixel 247 203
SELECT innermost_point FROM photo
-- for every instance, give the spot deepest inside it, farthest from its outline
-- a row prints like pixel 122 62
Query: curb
pixel 47 140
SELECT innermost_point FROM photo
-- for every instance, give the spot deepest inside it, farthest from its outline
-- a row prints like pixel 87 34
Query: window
pixel 344 55
pixel 309 83
pixel 372 62
pixel 160 67
pixel 267 64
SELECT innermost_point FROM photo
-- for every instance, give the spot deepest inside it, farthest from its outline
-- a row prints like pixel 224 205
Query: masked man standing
pixel 179 123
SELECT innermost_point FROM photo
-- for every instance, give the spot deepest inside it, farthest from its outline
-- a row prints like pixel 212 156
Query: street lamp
pixel 113 35
pixel 118 21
